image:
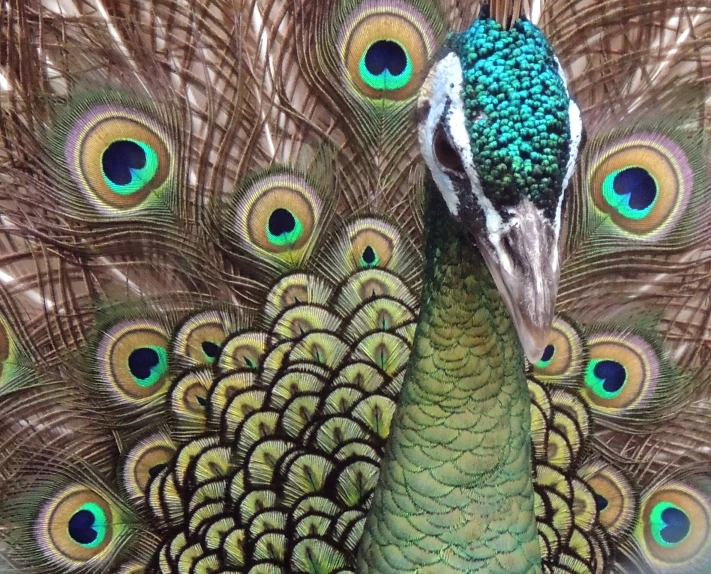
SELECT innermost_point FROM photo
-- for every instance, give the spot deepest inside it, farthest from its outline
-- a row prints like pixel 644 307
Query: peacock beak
pixel 523 259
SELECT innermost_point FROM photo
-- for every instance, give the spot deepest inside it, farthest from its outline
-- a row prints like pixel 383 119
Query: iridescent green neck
pixel 455 491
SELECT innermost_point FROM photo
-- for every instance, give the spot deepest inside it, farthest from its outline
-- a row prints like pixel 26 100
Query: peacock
pixel 374 286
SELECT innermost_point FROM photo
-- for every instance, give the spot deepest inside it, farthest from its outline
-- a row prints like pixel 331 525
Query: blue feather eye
pixel 283 227
pixel 117 153
pixel 129 165
pixel 148 365
pixel 547 357
pixel 643 184
pixel 616 500
pixel 189 400
pixel 385 65
pixel 669 524
pixel 200 338
pixel 601 502
pixel 274 217
pixel 210 349
pixel 143 463
pixel 132 360
pixel 632 191
pixel 606 378
pixel 563 356
pixel 372 243
pixel 369 258
pixel 622 371
pixel 87 526
pixel 384 47
pixel 673 532
pixel 77 525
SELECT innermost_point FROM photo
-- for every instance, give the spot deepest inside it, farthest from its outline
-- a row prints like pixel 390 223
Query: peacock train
pixel 355 286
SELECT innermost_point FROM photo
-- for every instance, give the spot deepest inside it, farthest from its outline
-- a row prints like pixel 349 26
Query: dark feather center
pixel 639 184
pixel 281 221
pixel 119 158
pixel 601 502
pixel 81 527
pixel 612 373
pixel 369 255
pixel 677 525
pixel 385 55
pixel 210 349
pixel 141 362
pixel 548 353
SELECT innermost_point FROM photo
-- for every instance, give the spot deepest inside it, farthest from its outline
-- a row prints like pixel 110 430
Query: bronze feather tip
pixel 505 12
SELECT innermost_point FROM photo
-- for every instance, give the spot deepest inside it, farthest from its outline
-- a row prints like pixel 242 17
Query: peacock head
pixel 500 135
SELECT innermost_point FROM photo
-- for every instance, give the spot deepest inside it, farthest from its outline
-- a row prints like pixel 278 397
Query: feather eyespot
pixel 632 190
pixel 385 47
pixel 628 378
pixel 373 243
pixel 606 377
pixel 364 243
pixel 78 525
pixel 675 521
pixel 189 402
pixel 132 360
pixel 128 165
pixel 381 314
pixel 562 359
pixel 616 500
pixel 669 524
pixel 117 153
pixel 371 284
pixel 547 357
pixel 276 215
pixel 294 290
pixel 622 372
pixel 301 319
pixel 643 183
pixel 283 227
pixel 242 351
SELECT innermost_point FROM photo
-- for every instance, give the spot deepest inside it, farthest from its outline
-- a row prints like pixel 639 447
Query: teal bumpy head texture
pixel 517 109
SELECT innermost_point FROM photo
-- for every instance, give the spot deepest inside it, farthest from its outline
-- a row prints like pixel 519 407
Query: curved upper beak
pixel 524 261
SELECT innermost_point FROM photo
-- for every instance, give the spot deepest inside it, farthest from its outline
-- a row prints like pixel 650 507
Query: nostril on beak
pixel 508 242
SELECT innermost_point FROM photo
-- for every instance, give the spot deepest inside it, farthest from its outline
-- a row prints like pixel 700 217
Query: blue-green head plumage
pixel 517 111
pixel 500 134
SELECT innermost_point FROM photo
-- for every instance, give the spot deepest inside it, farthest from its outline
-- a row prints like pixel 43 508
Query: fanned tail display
pixel 211 272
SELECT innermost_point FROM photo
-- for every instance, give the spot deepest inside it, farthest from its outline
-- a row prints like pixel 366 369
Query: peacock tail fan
pixel 211 269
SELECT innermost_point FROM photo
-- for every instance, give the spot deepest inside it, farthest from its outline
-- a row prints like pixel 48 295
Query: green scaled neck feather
pixel 456 492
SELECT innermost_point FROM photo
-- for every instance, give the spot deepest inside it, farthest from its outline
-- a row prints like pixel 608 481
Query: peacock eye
pixel 385 65
pixel 385 47
pixel 128 165
pixel 447 157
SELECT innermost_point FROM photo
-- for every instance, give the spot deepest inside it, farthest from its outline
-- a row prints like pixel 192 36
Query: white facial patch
pixel 442 91
pixel 576 136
